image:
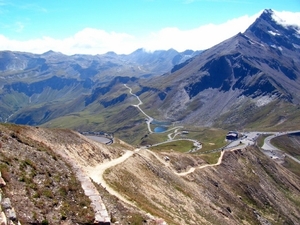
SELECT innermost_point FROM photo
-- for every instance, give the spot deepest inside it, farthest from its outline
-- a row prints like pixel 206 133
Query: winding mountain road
pixel 150 119
pixel 268 147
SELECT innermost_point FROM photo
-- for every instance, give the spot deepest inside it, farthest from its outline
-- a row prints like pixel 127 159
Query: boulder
pixel 6 204
pixel 2 182
pixel 11 214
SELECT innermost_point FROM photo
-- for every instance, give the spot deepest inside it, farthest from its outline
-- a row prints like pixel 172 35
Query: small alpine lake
pixel 160 129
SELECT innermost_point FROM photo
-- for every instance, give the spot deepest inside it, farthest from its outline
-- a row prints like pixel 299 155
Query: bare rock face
pixel 11 214
pixel 3 219
pixel 2 182
pixel 8 215
pixel 6 204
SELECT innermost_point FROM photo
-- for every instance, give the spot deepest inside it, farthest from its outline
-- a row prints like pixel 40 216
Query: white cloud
pixel 287 18
pixel 86 41
pixel 94 41
pixel 199 38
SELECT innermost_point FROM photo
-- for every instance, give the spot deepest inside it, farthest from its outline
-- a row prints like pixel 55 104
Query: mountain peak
pixel 51 53
pixel 268 11
pixel 276 29
pixel 283 18
pixel 286 19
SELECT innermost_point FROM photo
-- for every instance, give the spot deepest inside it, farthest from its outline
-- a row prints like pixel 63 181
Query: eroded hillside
pixel 246 188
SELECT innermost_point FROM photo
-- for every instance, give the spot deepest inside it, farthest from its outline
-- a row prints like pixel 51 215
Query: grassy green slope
pixel 275 116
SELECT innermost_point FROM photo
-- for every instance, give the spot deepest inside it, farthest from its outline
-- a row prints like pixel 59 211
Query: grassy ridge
pixel 292 166
pixel 178 146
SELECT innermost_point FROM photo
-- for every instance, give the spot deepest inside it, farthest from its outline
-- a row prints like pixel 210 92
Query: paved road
pixel 249 138
pixel 267 147
pixel 149 118
pixel 270 149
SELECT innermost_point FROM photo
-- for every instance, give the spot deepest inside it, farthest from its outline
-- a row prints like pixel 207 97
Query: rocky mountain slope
pixel 232 82
pixel 41 168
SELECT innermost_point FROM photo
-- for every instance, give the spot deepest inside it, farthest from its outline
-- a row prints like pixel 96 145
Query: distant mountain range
pixel 16 66
pixel 250 81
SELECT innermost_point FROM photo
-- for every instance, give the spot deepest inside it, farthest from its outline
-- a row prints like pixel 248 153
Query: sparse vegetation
pixel 292 166
pixel 261 138
pixel 36 178
pixel 178 146
pixel 211 158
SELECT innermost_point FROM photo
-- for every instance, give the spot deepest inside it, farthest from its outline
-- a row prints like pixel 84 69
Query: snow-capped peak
pixel 286 19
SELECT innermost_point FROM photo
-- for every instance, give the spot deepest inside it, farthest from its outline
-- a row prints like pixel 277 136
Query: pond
pixel 160 129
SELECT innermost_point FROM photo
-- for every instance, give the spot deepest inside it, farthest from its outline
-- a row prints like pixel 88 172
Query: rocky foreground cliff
pixel 42 171
pixel 45 172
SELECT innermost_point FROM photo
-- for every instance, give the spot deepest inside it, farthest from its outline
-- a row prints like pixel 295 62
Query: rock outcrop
pixel 8 214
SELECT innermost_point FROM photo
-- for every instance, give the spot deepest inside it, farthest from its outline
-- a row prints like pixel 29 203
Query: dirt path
pixel 96 173
pixel 192 169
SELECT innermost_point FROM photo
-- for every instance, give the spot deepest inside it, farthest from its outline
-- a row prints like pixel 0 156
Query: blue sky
pixel 98 26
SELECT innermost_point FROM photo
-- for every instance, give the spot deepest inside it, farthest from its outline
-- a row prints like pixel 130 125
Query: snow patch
pixel 276 47
pixel 264 100
pixel 287 19
pixel 253 42
pixel 273 33
pixel 296 46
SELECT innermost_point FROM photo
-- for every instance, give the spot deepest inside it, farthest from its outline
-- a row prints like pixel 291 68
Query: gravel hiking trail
pixel 96 173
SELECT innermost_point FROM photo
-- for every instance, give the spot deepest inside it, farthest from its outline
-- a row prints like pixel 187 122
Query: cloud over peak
pixel 95 41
